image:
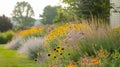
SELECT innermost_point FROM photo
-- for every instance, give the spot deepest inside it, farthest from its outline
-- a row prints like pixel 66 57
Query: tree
pixel 88 8
pixel 49 14
pixel 5 23
pixel 23 14
pixel 63 15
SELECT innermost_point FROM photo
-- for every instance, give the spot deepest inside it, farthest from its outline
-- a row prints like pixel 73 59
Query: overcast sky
pixel 7 6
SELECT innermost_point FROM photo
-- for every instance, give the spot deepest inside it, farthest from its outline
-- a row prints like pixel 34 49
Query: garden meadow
pixel 68 45
pixel 70 39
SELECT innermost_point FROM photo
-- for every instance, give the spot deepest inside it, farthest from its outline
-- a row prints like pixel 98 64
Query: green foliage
pixel 6 37
pixel 49 14
pixel 89 8
pixel 53 43
pixel 23 13
pixel 107 40
pixel 63 16
pixel 5 23
pixel 2 39
pixel 109 59
pixel 9 35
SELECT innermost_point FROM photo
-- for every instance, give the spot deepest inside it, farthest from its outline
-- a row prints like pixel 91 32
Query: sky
pixel 7 6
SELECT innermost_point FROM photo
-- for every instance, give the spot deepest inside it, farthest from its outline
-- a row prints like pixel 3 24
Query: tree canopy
pixel 88 8
pixel 63 15
pixel 5 23
pixel 23 13
pixel 49 14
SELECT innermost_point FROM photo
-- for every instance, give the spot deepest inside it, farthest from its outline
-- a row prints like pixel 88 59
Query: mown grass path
pixel 10 58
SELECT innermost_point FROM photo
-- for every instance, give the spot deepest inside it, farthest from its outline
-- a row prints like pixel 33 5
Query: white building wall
pixel 115 16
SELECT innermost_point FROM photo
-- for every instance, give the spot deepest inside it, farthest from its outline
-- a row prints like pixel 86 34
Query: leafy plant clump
pixel 5 37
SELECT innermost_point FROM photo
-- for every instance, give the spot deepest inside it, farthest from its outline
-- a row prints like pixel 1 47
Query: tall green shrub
pixel 5 23
pixel 6 37
pixel 2 39
pixel 49 14
pixel 86 8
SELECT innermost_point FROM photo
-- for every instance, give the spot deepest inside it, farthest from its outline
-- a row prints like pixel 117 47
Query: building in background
pixel 115 13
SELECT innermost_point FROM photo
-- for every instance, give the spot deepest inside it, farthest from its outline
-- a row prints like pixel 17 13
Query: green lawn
pixel 10 58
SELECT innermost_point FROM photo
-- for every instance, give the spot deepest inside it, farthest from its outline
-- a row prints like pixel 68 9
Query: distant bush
pixel 5 23
pixel 2 39
pixel 6 37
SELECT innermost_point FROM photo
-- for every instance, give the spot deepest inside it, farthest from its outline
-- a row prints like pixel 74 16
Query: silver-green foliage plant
pixel 31 47
pixel 15 43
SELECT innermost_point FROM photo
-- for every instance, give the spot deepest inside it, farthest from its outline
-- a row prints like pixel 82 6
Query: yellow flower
pixel 95 61
pixel 63 30
pixel 31 31
pixel 39 53
pixel 36 60
pixel 71 65
pixel 101 51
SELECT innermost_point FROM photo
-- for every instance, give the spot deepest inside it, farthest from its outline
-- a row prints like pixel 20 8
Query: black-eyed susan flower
pixel 63 30
pixel 58 47
pixel 36 60
pixel 54 56
pixel 31 31
pixel 49 54
pixel 61 53
pixel 57 50
pixel 69 54
pixel 54 49
pixel 62 49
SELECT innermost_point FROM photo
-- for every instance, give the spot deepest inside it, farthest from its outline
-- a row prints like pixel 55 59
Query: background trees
pixel 23 14
pixel 55 14
pixel 88 8
pixel 63 15
pixel 49 14
pixel 5 23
